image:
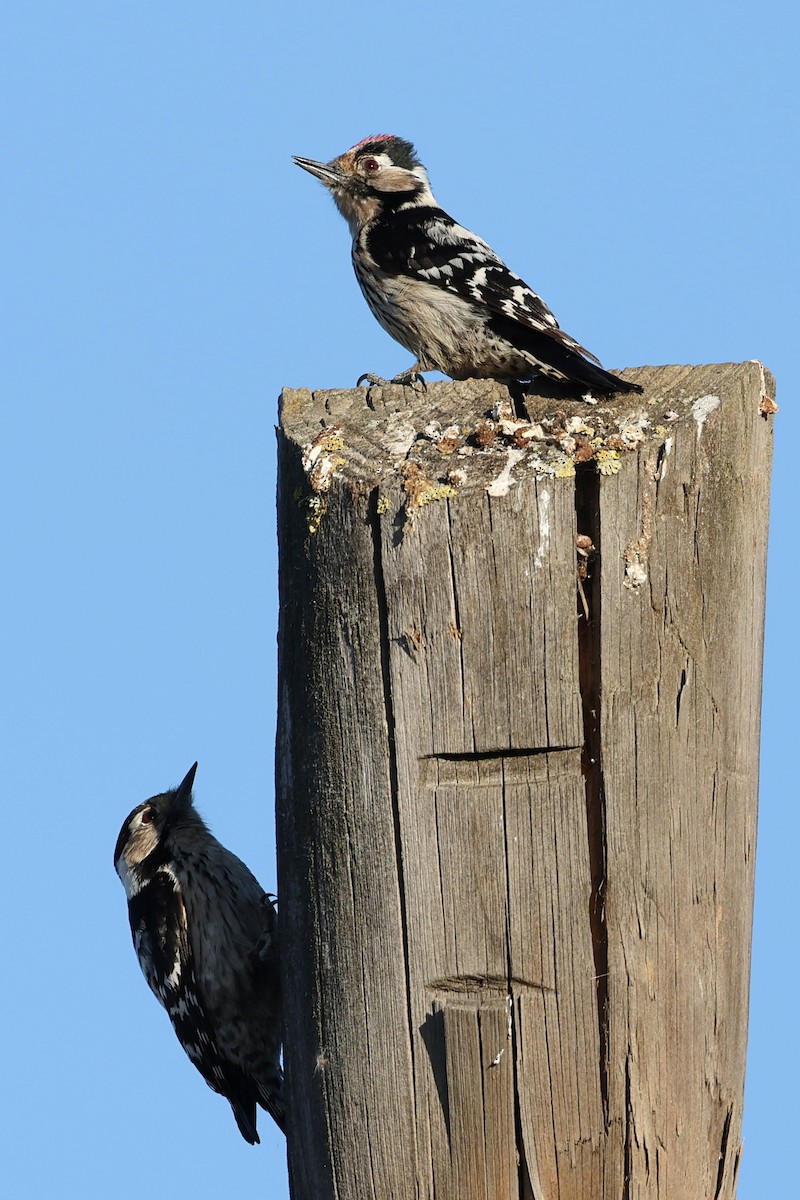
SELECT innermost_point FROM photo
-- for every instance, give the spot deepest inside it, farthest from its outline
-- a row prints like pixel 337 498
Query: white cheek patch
pixel 130 878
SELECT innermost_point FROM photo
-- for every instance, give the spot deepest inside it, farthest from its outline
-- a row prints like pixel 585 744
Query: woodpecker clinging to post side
pixel 203 930
pixel 437 288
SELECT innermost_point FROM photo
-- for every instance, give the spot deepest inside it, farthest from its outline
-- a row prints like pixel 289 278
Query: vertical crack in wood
pixel 627 1160
pixel 523 1177
pixel 587 511
pixel 382 605
pixel 456 631
pixel 679 697
pixel 723 1152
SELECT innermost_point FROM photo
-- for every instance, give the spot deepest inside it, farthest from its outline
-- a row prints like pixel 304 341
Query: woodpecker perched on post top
pixel 439 289
pixel 204 930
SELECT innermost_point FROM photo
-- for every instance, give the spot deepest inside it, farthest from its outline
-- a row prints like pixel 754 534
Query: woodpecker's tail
pixel 603 381
pixel 271 1100
pixel 245 1113
pixel 552 354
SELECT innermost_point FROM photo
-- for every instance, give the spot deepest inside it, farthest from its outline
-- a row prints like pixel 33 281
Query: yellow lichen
pixel 440 491
pixel 334 442
pixel 326 466
pixel 383 505
pixel 317 506
pixel 576 425
pixel 608 462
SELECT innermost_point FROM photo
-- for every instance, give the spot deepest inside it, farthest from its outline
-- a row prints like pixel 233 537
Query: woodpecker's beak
pixel 331 176
pixel 185 788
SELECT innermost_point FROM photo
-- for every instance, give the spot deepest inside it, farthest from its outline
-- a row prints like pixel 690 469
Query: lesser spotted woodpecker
pixel 439 289
pixel 204 933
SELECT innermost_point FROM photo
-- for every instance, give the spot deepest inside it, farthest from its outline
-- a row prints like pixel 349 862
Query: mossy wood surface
pixel 517 785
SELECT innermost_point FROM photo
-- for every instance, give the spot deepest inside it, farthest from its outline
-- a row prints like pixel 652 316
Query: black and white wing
pixel 160 936
pixel 426 244
pixel 158 927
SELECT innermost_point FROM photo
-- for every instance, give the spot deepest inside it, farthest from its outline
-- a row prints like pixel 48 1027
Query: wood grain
pixel 516 810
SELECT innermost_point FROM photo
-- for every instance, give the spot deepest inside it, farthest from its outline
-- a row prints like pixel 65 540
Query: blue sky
pixel 166 270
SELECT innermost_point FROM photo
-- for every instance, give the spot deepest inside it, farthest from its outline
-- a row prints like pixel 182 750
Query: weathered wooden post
pixel 520 678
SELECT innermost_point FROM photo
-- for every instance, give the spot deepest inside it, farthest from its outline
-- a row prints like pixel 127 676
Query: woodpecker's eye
pixel 147 816
pixel 370 166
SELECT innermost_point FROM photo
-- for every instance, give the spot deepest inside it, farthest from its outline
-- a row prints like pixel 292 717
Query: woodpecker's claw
pixel 410 378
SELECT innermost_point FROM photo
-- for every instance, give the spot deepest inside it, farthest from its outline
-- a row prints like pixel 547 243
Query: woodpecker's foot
pixel 265 946
pixel 411 378
pixel 263 949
